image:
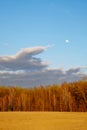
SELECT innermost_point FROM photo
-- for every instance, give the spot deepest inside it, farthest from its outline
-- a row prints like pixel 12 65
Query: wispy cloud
pixel 24 69
pixel 6 44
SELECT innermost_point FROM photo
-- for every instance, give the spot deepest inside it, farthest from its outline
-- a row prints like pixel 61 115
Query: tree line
pixel 71 97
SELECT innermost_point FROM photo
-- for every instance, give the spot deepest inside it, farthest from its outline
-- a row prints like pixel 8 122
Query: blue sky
pixel 29 23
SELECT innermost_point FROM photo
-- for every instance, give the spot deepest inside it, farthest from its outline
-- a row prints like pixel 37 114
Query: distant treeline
pixel 67 97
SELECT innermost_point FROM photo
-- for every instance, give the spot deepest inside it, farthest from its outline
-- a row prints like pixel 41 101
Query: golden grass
pixel 43 121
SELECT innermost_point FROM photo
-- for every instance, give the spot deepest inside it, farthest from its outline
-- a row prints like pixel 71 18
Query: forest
pixel 69 97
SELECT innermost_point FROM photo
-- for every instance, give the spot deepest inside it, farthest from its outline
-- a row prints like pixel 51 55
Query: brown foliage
pixel 67 97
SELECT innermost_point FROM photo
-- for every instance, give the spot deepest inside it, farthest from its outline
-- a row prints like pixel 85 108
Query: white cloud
pixel 23 60
pixel 24 69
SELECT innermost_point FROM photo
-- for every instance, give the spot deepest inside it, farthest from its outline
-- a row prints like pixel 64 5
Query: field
pixel 43 121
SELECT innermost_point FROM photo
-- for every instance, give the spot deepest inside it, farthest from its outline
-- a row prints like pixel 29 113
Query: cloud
pixel 36 78
pixel 23 60
pixel 25 69
pixel 6 44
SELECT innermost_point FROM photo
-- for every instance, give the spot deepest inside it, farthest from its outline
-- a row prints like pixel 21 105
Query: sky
pixel 42 41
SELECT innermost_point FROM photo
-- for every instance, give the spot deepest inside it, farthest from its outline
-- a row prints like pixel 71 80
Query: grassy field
pixel 43 121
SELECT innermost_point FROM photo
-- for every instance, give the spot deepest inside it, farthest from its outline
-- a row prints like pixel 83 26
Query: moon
pixel 67 41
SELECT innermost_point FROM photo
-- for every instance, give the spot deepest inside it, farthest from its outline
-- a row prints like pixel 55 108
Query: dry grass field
pixel 43 121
